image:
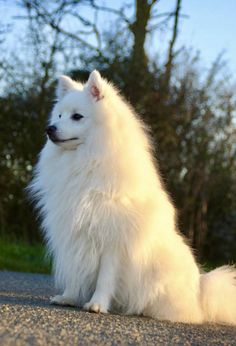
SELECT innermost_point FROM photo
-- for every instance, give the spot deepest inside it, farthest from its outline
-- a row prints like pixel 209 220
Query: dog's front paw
pixel 62 300
pixel 95 307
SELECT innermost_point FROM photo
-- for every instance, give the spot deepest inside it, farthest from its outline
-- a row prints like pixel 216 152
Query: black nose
pixel 51 130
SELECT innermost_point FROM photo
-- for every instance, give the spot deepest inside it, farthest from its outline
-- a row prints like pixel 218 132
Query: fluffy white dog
pixel 108 220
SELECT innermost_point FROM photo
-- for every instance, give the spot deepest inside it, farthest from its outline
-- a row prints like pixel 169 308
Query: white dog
pixel 108 220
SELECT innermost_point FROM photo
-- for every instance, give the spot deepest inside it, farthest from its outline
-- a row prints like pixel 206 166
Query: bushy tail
pixel 218 295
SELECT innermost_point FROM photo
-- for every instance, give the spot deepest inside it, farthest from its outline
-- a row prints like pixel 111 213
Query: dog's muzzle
pixel 51 132
pixel 53 135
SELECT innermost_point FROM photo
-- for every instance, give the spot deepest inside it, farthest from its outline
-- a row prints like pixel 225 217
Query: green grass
pixel 19 256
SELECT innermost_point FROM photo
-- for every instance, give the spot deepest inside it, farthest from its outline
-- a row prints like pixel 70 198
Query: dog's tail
pixel 218 295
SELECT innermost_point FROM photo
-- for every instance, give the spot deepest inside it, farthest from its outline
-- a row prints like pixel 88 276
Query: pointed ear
pixel 95 85
pixel 66 84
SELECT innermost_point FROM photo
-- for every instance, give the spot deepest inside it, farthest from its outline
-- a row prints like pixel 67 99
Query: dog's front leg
pixel 105 286
pixel 69 298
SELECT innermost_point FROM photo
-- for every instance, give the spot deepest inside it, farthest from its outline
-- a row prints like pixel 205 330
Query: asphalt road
pixel 26 318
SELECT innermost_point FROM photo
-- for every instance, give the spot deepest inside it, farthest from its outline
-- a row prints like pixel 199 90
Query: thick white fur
pixel 109 222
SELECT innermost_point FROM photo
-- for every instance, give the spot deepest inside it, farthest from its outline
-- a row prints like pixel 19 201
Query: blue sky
pixel 210 27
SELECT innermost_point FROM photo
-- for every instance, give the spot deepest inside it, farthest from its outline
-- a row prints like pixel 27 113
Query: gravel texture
pixel 26 318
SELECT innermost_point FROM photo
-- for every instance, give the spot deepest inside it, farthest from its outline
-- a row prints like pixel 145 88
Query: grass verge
pixel 20 256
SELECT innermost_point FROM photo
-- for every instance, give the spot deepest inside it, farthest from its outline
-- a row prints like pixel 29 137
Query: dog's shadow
pixel 25 299
pixel 27 290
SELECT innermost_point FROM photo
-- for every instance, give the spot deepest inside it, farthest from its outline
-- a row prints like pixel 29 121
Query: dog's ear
pixel 95 85
pixel 66 84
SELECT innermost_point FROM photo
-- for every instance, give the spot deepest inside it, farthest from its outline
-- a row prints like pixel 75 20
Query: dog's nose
pixel 51 130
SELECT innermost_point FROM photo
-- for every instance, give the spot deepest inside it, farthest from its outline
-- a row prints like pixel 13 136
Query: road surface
pixel 26 318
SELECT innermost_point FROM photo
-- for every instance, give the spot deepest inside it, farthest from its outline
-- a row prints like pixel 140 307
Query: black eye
pixel 76 116
pixel 59 115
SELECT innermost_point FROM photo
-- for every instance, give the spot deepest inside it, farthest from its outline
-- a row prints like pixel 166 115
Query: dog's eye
pixel 76 116
pixel 59 115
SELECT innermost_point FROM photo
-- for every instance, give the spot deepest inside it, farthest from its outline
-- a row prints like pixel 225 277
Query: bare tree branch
pixel 172 43
pixel 51 19
pixel 119 13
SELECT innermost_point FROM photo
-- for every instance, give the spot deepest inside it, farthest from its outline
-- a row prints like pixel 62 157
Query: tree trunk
pixel 139 62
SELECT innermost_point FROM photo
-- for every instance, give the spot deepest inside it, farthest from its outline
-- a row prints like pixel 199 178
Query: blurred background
pixel 174 60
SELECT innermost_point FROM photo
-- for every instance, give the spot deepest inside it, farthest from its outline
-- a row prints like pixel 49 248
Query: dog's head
pixel 75 113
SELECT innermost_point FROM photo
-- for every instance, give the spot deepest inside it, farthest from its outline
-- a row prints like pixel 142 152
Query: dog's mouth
pixel 57 140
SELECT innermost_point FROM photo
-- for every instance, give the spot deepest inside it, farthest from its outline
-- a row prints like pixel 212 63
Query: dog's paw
pixel 95 307
pixel 62 300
